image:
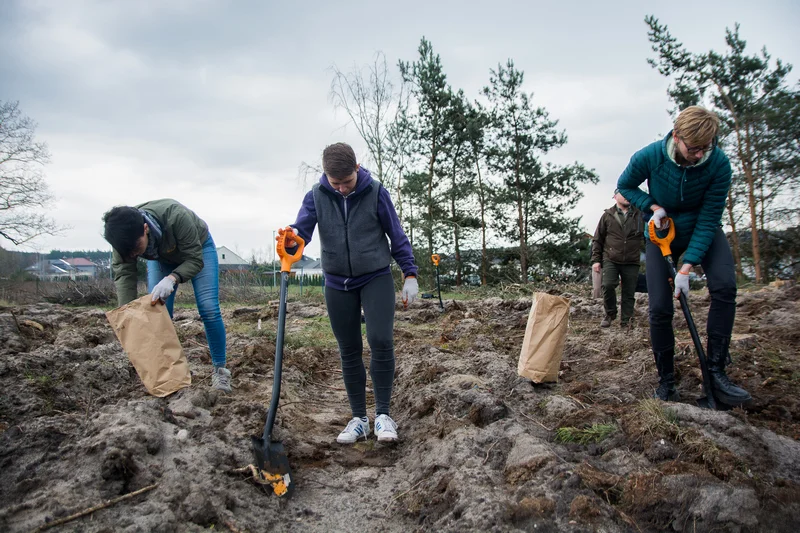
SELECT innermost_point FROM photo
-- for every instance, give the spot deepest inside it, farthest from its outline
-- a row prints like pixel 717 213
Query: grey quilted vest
pixel 350 233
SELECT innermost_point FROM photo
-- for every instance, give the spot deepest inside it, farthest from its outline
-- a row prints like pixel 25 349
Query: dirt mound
pixel 482 449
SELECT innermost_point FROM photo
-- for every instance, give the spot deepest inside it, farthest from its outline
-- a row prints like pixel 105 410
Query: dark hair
pixel 339 160
pixel 124 226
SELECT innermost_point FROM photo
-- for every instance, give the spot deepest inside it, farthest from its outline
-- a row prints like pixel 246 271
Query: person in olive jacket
pixel 178 248
pixel 688 178
pixel 616 247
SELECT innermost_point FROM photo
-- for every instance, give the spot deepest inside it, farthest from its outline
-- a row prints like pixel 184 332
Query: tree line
pixel 461 170
pixel 469 174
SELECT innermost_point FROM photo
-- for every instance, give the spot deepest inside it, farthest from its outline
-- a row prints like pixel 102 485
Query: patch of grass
pixel 316 332
pixel 596 433
pixel 652 421
pixel 543 403
pixel 42 380
pixel 656 419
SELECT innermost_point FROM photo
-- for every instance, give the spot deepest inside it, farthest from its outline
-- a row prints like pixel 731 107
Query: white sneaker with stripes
pixel 385 429
pixel 356 429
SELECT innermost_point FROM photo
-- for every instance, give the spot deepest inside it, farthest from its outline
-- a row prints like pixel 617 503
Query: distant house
pixel 69 268
pixel 307 266
pixel 82 266
pixel 228 260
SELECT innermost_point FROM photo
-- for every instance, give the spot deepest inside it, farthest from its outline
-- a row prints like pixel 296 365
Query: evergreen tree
pixel 432 96
pixel 540 194
pixel 752 98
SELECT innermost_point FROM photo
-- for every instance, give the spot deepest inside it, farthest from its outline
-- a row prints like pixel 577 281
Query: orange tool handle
pixel 662 242
pixel 288 260
pixel 435 258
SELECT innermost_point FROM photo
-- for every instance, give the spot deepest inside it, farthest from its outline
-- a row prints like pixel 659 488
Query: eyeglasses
pixel 698 149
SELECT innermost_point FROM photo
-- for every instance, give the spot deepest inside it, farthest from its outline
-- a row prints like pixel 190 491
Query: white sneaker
pixel 385 429
pixel 356 428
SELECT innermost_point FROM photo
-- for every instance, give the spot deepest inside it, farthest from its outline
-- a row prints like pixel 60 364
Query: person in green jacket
pixel 178 248
pixel 688 178
pixel 616 249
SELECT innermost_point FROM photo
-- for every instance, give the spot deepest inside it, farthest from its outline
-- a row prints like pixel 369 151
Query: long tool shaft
pixel 276 380
pixel 701 353
pixel 439 289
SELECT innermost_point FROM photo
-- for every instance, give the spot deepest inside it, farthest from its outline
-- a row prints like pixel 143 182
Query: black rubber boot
pixel 724 390
pixel 665 363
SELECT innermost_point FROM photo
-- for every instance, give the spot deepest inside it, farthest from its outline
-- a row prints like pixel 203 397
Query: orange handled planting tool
pixel 435 258
pixel 272 463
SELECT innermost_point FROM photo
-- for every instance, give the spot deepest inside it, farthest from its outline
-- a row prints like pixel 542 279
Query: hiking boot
pixel 385 429
pixel 666 392
pixel 723 388
pixel 665 364
pixel 356 428
pixel 606 323
pixel 221 379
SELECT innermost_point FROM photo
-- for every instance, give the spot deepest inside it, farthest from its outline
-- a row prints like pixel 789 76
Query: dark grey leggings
pixel 344 310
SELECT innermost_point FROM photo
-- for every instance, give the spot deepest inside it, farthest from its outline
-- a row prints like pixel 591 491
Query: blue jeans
pixel 206 294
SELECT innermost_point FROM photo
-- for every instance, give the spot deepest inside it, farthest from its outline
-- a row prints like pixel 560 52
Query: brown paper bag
pixel 545 336
pixel 148 336
pixel 597 284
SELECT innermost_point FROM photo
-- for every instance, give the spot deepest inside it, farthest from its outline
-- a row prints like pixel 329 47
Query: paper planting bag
pixel 545 336
pixel 148 336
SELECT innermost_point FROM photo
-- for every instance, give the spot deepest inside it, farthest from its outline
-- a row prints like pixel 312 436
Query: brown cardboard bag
pixel 545 336
pixel 597 284
pixel 148 336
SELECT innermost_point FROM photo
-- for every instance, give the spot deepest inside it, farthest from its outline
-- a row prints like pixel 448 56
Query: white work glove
pixel 681 284
pixel 163 289
pixel 660 215
pixel 410 290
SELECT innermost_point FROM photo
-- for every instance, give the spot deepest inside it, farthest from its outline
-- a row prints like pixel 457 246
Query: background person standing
pixel 616 248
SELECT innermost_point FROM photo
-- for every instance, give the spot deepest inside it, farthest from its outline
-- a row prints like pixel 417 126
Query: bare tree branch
pixel 370 100
pixel 23 190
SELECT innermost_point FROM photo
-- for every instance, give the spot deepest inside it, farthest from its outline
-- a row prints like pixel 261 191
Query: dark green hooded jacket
pixel 182 239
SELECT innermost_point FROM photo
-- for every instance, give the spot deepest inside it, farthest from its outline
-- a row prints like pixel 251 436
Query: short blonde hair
pixel 696 126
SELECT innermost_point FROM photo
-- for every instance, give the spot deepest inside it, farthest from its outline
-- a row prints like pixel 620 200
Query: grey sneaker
pixel 221 379
pixel 606 322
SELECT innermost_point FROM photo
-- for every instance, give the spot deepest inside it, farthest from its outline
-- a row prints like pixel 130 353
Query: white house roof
pixel 227 256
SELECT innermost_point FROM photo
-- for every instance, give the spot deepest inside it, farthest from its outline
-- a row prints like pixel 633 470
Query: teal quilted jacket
pixel 694 197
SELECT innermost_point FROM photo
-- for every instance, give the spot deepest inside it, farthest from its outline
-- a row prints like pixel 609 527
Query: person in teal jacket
pixel 688 178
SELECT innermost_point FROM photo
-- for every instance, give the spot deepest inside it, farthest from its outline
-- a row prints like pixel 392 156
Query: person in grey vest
pixel 354 215
pixel 616 246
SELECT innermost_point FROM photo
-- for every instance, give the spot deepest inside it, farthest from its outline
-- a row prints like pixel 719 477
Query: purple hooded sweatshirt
pixel 400 246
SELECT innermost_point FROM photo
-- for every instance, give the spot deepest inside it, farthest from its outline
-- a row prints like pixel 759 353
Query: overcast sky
pixel 216 103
